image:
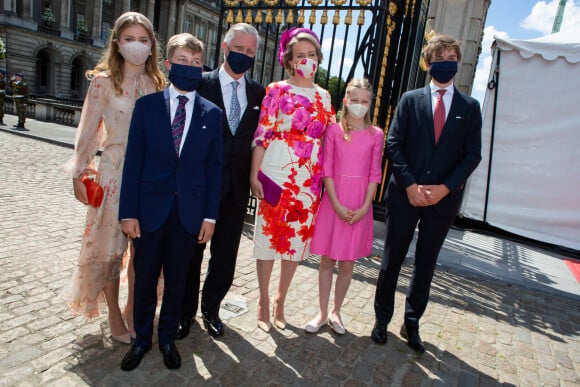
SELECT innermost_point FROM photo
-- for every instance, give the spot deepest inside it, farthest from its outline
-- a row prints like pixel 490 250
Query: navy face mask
pixel 186 78
pixel 239 63
pixel 443 71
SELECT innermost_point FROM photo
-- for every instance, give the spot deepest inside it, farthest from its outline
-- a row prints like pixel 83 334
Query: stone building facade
pixel 54 42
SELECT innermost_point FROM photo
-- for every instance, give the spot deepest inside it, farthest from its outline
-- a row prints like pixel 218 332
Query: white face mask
pixel 135 53
pixel 357 110
pixel 306 67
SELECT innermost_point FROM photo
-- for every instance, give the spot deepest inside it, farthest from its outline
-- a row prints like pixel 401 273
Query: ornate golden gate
pixel 387 36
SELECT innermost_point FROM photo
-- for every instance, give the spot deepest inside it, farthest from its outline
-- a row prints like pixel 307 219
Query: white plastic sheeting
pixel 534 175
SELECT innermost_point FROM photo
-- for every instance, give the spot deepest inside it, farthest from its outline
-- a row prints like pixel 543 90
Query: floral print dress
pixel 292 123
pixel 104 125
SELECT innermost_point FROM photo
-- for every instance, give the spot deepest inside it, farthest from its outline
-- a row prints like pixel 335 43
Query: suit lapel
pixel 197 122
pixel 455 113
pixel 427 109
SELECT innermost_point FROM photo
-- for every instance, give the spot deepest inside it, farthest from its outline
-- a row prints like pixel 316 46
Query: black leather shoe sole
pixel 413 339
pixel 183 330
pixel 171 356
pixel 379 334
pixel 215 328
pixel 133 358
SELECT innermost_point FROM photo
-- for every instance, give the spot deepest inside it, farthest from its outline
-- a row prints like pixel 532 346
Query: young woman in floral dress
pixel 128 70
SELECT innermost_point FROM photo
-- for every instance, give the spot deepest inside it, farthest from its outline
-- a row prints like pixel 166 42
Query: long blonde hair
pixel 357 83
pixel 112 61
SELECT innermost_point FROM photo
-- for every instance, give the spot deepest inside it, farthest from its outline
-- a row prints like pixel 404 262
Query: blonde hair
pixel 186 41
pixel 112 61
pixel 358 83
pixel 288 52
pixel 439 43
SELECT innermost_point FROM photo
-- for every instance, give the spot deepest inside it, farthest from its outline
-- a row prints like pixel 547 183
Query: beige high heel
pixel 263 325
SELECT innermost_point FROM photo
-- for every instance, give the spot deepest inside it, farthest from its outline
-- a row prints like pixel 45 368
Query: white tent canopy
pixel 528 181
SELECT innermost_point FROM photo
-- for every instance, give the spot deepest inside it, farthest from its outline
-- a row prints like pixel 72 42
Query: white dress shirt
pixel 447 97
pixel 226 84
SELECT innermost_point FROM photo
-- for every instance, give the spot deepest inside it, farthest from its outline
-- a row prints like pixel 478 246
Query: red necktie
pixel 439 115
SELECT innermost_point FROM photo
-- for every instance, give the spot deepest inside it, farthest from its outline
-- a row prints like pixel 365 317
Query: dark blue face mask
pixel 186 78
pixel 443 71
pixel 238 62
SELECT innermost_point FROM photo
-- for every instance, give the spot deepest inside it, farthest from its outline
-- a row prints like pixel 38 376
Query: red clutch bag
pixel 95 192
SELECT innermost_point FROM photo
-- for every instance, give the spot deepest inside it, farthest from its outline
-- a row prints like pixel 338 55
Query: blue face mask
pixel 443 71
pixel 186 78
pixel 238 62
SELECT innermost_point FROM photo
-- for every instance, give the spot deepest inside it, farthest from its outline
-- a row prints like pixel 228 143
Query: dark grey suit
pixel 235 192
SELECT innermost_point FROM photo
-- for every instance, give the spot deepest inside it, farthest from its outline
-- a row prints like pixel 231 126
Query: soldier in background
pixel 20 97
pixel 2 94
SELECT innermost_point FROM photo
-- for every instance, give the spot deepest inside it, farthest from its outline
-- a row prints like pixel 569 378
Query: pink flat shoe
pixel 312 327
pixel 337 327
pixel 125 339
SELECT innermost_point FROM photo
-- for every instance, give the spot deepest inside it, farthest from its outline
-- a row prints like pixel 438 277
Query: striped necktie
pixel 178 123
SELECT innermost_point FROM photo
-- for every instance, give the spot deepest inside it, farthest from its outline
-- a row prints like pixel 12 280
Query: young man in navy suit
pixel 170 193
pixel 240 121
pixel 433 145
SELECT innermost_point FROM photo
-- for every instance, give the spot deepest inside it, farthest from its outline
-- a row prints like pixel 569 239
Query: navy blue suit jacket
pixel 154 175
pixel 415 158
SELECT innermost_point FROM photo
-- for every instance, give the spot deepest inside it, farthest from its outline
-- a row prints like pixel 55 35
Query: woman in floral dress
pixel 287 149
pixel 127 71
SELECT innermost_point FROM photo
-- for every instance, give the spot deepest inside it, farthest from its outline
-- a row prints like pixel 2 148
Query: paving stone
pixel 477 331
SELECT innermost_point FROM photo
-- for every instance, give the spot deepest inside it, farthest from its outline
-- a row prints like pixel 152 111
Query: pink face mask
pixel 306 67
pixel 135 53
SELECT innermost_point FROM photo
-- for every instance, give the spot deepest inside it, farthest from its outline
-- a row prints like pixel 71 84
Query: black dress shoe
pixel 213 325
pixel 133 358
pixel 171 356
pixel 379 334
pixel 183 329
pixel 413 338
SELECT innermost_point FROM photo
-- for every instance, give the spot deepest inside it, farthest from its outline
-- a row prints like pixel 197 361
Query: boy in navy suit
pixel 433 145
pixel 170 193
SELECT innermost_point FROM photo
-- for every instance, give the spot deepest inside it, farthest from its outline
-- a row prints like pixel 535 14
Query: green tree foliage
pixel 335 87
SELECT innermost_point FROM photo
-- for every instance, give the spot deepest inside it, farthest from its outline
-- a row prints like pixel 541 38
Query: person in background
pixel 433 145
pixel 127 71
pixel 287 150
pixel 343 230
pixel 239 97
pixel 170 193
pixel 20 97
pixel 2 94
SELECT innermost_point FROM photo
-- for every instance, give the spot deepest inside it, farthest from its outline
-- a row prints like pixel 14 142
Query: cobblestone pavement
pixel 477 331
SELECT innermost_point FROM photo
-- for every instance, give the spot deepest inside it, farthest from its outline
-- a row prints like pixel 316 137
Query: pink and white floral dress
pixel 292 123
pixel 104 125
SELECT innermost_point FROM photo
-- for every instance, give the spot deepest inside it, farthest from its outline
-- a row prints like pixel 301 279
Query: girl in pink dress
pixel 128 70
pixel 343 229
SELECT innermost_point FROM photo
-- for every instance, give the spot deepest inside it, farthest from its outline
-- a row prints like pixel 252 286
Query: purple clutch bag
pixel 272 191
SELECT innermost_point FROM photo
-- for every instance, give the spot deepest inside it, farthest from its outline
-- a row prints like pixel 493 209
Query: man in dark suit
pixel 170 193
pixel 433 145
pixel 241 106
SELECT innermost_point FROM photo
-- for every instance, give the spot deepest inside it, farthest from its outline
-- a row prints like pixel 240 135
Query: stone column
pixel 151 10
pixel 8 6
pixel 126 6
pixel 97 13
pixel 65 19
pixel 171 22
